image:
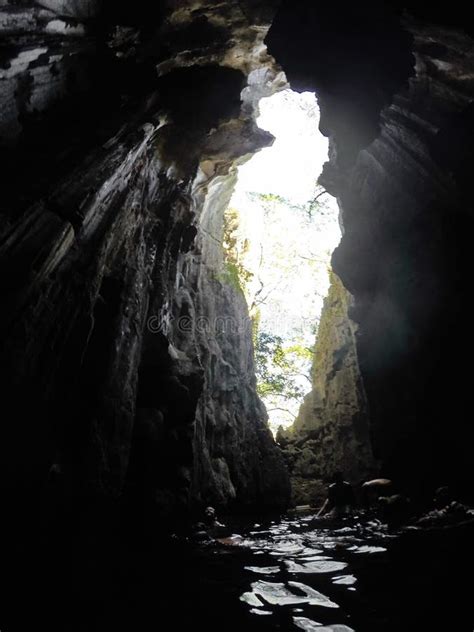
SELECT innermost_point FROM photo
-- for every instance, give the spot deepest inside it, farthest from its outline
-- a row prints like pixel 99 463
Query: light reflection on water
pixel 305 567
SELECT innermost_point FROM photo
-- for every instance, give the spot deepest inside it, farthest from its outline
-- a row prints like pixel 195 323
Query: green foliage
pixel 231 276
pixel 256 318
pixel 304 353
pixel 235 273
pixel 271 197
pixel 276 367
pixel 283 254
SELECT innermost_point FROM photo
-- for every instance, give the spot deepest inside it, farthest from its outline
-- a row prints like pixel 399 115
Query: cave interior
pixel 121 129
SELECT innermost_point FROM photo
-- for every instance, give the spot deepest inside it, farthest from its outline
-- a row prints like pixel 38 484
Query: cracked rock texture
pixel 127 361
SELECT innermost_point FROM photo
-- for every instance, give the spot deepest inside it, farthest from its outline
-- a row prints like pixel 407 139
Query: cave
pixel 129 392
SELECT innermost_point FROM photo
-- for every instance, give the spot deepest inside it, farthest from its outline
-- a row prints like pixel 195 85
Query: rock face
pixel 331 432
pixel 127 361
pixel 397 107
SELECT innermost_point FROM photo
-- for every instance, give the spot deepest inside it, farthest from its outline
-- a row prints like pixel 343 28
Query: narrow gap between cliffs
pixel 281 228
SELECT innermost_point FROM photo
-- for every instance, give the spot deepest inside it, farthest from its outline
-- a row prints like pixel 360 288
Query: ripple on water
pixel 257 611
pixel 263 570
pixel 345 580
pixel 319 566
pixel 278 594
pixel 321 628
pixel 251 599
pixel 312 626
pixel 316 555
pixel 335 628
pixel 310 551
pixel 289 547
pixel 370 549
pixel 315 598
pixel 312 558
pixel 308 625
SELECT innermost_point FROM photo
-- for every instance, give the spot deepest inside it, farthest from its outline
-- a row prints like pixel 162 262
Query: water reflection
pixel 278 594
pixel 306 579
pixel 309 626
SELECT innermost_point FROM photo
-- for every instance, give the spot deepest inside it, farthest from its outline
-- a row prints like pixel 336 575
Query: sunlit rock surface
pixel 331 432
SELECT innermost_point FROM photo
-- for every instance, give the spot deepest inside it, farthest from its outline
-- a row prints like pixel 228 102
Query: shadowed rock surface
pixel 127 402
pixel 114 279
pixel 395 93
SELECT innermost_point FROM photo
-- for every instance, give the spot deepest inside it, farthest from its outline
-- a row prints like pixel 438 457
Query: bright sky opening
pixel 289 242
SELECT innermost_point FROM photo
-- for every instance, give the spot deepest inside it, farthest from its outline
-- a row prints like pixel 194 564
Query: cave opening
pixel 281 228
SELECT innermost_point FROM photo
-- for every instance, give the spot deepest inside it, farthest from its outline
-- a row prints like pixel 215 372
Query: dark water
pixel 302 574
pixel 290 574
pixel 305 577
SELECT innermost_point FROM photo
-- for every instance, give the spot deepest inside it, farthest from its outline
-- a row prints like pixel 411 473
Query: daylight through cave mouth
pixel 281 228
pixel 131 398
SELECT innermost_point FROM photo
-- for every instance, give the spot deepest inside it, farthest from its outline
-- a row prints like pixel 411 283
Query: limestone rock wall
pixel 398 110
pixel 116 372
pixel 331 432
pixel 46 55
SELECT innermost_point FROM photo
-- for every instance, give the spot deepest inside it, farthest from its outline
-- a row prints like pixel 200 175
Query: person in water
pixel 340 498
pixel 375 489
pixel 446 511
pixel 210 518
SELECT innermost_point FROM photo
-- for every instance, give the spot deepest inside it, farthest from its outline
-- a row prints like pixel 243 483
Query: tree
pixel 282 266
pixel 279 369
